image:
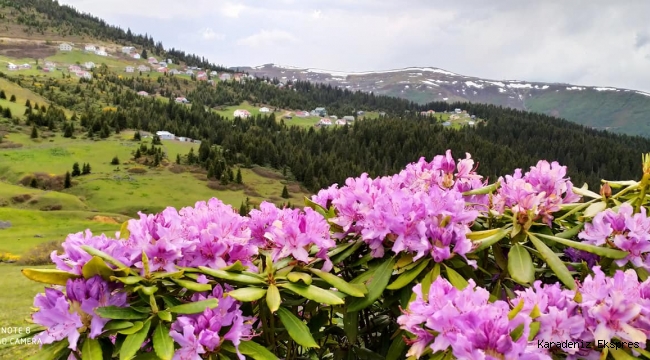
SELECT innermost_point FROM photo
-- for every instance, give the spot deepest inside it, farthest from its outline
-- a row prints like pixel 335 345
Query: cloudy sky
pixel 597 42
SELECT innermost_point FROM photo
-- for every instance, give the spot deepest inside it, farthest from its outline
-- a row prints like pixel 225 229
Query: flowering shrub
pixel 432 262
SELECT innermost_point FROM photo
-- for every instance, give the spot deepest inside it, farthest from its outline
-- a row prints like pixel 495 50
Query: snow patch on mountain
pixel 605 89
pixel 575 88
pixel 520 86
pixel 473 84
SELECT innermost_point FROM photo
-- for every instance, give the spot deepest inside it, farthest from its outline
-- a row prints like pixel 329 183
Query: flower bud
pixel 606 191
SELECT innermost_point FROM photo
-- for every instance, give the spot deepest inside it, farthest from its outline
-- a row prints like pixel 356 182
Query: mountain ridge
pixel 578 103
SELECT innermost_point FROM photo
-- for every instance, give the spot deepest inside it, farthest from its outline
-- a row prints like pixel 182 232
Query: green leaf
pixel 298 331
pixel 117 325
pixel 534 329
pixel 91 350
pixel 195 307
pixel 396 349
pixel 585 192
pixel 124 230
pixel 314 293
pixel 480 235
pixel 319 209
pixel 339 283
pixel 192 285
pixel 250 348
pixel 407 277
pixel 120 313
pixel 520 265
pixel 569 233
pixel 455 278
pixel 236 267
pixel 51 351
pixel 49 276
pixel 133 329
pixel 94 252
pixel 145 265
pixel 97 266
pixel 429 279
pixel 553 262
pixel 148 290
pixel 242 277
pixel 482 191
pixel 516 310
pixel 167 275
pixel 643 352
pixel 247 294
pixel 600 251
pixel 517 332
pixel 273 298
pixel 351 326
pixel 378 282
pixel 295 277
pixel 163 344
pixel 336 259
pixel 165 315
pixel 594 209
pixel 490 240
pixel 620 354
pixel 128 280
pixel 133 343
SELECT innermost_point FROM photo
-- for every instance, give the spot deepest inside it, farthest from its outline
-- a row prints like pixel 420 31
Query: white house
pixel 143 93
pixel 90 47
pixel 128 49
pixel 189 72
pixel 162 64
pixel 11 66
pixel 341 122
pixel 169 61
pixel 143 68
pixel 242 113
pixel 182 139
pixel 213 73
pixel 181 100
pixel 174 72
pixel 264 110
pixel 101 53
pixel 25 66
pixel 165 135
pixel 458 111
pixel 348 118
pixel 136 56
pixel 89 65
pixel 130 69
pixel 152 60
pixel 325 122
pixel 224 77
pixel 65 47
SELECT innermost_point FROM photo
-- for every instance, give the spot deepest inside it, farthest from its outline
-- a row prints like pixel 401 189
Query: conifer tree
pixel 239 179
pixel 33 183
pixel 34 134
pixel 3 95
pixel 115 161
pixel 13 98
pixel 137 136
pixel 75 169
pixel 285 192
pixel 138 154
pixel 68 180
pixel 28 104
pixel 178 159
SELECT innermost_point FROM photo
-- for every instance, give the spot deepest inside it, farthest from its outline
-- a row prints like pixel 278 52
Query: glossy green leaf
pixel 480 235
pixel 621 354
pixel 314 293
pixel 594 209
pixel 340 284
pixel 145 264
pixel 49 276
pixel 133 343
pixel 517 332
pixel 600 251
pixel 250 349
pixel 195 307
pixel 316 207
pixel 124 230
pixel 128 280
pixel 298 331
pixel 273 298
pixel 91 350
pixel 482 191
pixel 235 267
pixel 516 310
pixel 490 240
pixel 376 285
pixel 553 262
pixel 520 265
pixel 534 329
pixel 94 252
pixel 396 349
pixel 163 344
pixel 569 233
pixel 165 315
pixel 429 279
pixel 120 313
pixel 407 277
pixel 455 278
pixel 336 259
pixel 247 294
pixel 51 351
pixel 296 277
pixel 242 277
pixel 351 326
pixel 193 286
pixel 96 266
pixel 117 325
pixel 167 275
pixel 133 329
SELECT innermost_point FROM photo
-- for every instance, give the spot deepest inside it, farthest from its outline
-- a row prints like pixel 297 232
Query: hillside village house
pixel 162 63
pixel 143 93
pixel 128 49
pixel 169 61
pixel 181 100
pixel 319 111
pixel 50 64
pixel 143 68
pixel 174 72
pixel 360 113
pixel 189 72
pixel 130 69
pixel 74 68
pixel 136 56
pixel 302 114
pixel 165 135
pixel 325 122
pixel 25 66
pixel 201 75
pixel 89 65
pixel 242 113
pixel 348 119
pixel 458 111
pixel 264 110
pixel 214 73
pixel 224 77
pixel 90 47
pixel 333 117
pixel 65 47
pixel 162 69
pixel 341 122
pixel 84 74
pixel 152 60
pixel 101 53
pixel 11 66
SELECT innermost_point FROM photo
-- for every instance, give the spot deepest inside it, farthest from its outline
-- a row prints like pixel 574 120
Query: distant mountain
pixel 620 110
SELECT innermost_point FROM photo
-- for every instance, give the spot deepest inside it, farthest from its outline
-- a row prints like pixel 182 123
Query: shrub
pixel 432 262
pixel 40 254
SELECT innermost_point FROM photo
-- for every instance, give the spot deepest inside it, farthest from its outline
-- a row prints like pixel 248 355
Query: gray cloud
pixel 587 43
